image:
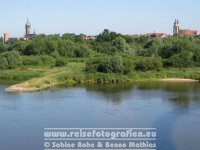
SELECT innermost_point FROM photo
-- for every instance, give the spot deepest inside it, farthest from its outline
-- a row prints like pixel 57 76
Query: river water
pixel 172 108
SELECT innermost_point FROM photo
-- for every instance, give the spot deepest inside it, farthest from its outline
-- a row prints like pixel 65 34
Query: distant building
pixel 161 35
pixel 6 37
pixel 188 32
pixel 88 38
pixel 13 39
pixel 182 32
pixel 28 34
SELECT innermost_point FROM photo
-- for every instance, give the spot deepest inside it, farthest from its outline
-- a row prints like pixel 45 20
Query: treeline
pixel 109 53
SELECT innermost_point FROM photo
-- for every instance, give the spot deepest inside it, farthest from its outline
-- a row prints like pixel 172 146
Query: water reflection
pixel 181 101
pixel 111 93
pixel 169 87
pixel 143 104
pixel 178 94
pixel 110 88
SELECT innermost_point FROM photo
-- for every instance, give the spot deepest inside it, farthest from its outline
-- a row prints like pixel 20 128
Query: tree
pixel 167 51
pixel 3 47
pixel 108 65
pixel 196 56
pixel 149 63
pixel 3 63
pixel 107 36
pixel 51 46
pixel 36 47
pixel 19 46
pixel 120 43
pixel 60 61
pixel 10 60
pixel 111 65
pixel 183 59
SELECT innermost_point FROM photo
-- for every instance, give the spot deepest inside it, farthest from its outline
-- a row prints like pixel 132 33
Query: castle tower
pixel 176 27
pixel 27 28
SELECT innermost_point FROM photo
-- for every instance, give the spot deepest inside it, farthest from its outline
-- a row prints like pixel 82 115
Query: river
pixel 172 108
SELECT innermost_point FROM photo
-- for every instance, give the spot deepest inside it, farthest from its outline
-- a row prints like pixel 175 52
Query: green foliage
pixel 102 78
pixel 105 48
pixel 196 57
pixel 149 64
pixel 167 51
pixel 3 47
pixel 108 65
pixel 10 60
pixel 31 60
pixel 17 75
pixel 44 49
pixel 60 62
pixel 19 46
pixel 128 66
pixel 122 46
pixel 47 60
pixel 183 59
pixel 3 63
pixel 107 36
pixel 38 60
pixel 111 65
pixel 36 47
pixel 82 51
pixel 72 37
pixel 111 58
pixel 93 64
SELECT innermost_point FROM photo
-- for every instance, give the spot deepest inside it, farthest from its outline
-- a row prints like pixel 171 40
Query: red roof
pixel 156 34
pixel 188 32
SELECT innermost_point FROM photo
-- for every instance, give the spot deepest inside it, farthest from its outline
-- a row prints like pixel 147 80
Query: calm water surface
pixel 172 108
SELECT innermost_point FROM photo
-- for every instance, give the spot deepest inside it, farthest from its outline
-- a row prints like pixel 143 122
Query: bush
pixel 31 60
pixel 108 65
pixel 128 66
pixel 149 64
pixel 10 60
pixel 38 60
pixel 92 65
pixel 183 59
pixel 82 51
pixel 3 63
pixel 47 60
pixel 60 61
pixel 113 65
pixel 196 57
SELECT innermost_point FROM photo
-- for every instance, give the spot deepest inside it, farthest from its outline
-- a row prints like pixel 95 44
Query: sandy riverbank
pixel 178 80
pixel 24 88
pixel 20 88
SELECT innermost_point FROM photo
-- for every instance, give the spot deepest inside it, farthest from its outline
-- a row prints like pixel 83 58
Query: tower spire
pixel 176 27
pixel 27 29
pixel 27 21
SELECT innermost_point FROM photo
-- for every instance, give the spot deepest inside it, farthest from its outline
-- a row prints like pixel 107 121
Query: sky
pixel 90 17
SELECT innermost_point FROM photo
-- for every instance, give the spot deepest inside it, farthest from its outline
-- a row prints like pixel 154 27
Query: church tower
pixel 176 27
pixel 27 28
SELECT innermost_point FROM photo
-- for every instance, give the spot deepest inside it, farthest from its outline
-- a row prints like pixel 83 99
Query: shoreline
pixel 21 88
pixel 177 80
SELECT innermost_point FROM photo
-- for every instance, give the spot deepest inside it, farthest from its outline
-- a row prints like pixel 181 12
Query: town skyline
pixel 176 30
pixel 91 17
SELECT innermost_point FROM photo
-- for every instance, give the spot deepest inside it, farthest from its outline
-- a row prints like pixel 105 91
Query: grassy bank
pixel 20 74
pixel 74 72
pixel 188 73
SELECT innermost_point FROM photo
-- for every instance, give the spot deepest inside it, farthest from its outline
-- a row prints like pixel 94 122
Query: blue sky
pixel 92 16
